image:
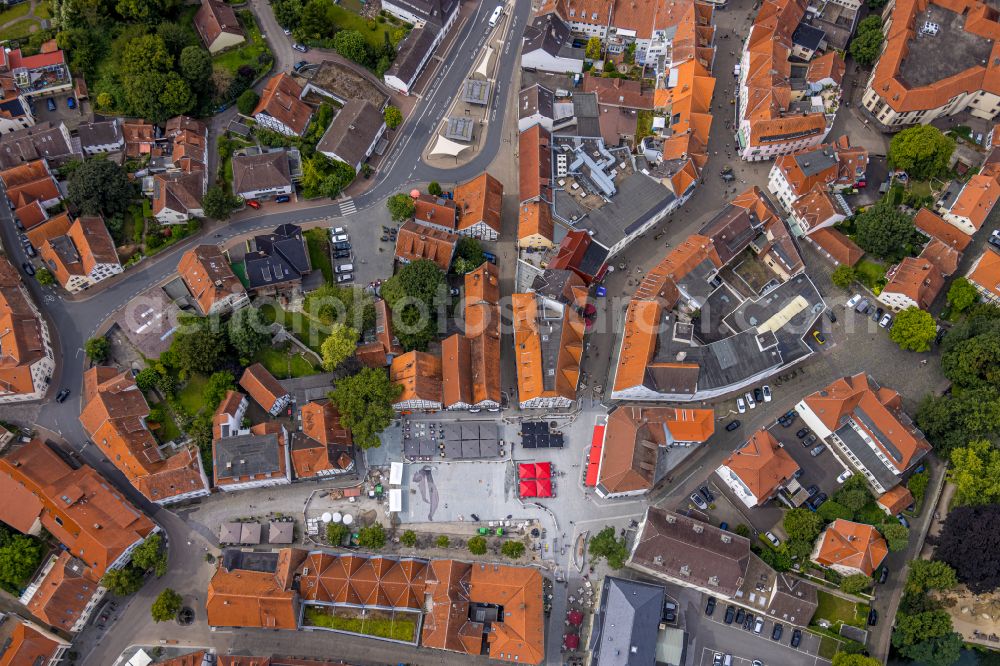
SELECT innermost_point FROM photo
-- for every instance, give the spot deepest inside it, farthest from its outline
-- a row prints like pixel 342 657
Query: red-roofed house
pixel 895 500
pixel 985 276
pixel 24 643
pixel 969 209
pixel 265 389
pixel 83 256
pixel 835 246
pixel 850 548
pixel 217 26
pixel 323 447
pixel 756 471
pixel 913 282
pixel 64 593
pixel 280 108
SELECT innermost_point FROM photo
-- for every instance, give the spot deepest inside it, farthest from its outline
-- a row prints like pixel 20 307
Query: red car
pixel 253 203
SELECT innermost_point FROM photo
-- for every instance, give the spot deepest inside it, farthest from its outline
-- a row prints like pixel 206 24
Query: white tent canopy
pixel 395 473
pixel 395 500
pixel 484 64
pixel 447 147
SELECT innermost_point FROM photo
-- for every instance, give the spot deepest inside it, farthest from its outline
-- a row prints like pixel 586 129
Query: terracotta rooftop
pixel 828 165
pixel 139 137
pixel 64 592
pixel 434 210
pixel 534 164
pixel 619 92
pixel 837 245
pixel 419 373
pixel 260 597
pixel 934 226
pixel 362 580
pixel 22 644
pixel 21 335
pixel 261 386
pixel 547 368
pixel 919 279
pixel 945 257
pixel 896 499
pixel 762 464
pixel 280 100
pixel 986 272
pixel 208 276
pixel 977 198
pixel 535 218
pixel 416 241
pixel 479 200
pixel 324 442
pixel 852 545
pixel 214 18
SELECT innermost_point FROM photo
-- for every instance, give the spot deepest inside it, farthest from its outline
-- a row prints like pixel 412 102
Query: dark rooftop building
pixel 278 258
pixel 625 625
pixel 44 140
pixel 807 37
pixel 352 135
pixel 246 461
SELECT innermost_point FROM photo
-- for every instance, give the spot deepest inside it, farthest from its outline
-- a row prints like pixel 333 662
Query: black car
pixel 785 421
pixel 802 432
pixel 809 441
pixel 872 617
pixel 670 616
pixel 832 317
pixel 812 490
pixel 748 622
pixel 342 245
pixel 815 502
pixel 707 494
pixel 796 638
pixel 791 415
pixel 474 517
pixel 710 607
pixel 883 575
pixel 341 254
pixel 733 425
pixel 730 614
pixel 300 64
pixel 776 632
pixel 62 395
pixel 758 395
pixel 28 268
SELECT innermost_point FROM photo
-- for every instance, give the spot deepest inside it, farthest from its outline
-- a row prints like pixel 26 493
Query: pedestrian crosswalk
pixel 347 207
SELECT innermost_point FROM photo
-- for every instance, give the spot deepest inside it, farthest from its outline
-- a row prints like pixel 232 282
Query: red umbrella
pixel 575 618
pixel 528 489
pixel 543 470
pixel 526 471
pixel 571 641
pixel 543 487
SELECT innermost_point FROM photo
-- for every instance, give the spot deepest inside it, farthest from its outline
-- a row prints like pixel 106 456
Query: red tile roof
pixel 934 226
pixel 837 245
pixel 214 18
pixel 208 276
pixel 262 386
pixel 416 241
pixel 852 545
pixel 534 160
pixel 762 464
pixel 918 279
pixel 479 200
pixel 64 592
pixel 986 272
pixel 280 100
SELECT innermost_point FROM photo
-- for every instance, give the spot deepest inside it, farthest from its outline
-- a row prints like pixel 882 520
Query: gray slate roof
pixel 626 623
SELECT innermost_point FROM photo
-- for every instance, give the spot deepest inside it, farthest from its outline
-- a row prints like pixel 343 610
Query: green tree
pixel 351 44
pixel 843 276
pixel 122 582
pixel 365 402
pixel 867 43
pixel 176 37
pixel 918 485
pixel 477 545
pixel 975 472
pixel 961 295
pixel 218 384
pixel 593 51
pixel 408 538
pixel 895 535
pixel 45 277
pixel 802 524
pixel 248 332
pixel 166 606
pixel 393 117
pixel 955 419
pixel 151 555
pixel 929 575
pixel 911 629
pixel 913 330
pixel 99 186
pixel 855 583
pixel 512 549
pixel 288 12
pixel 219 203
pixel 199 346
pixel 605 544
pixel 146 379
pixel 832 510
pixel 338 346
pixel 974 361
pixel 434 189
pixel 938 651
pixel 97 349
pixel 442 541
pixel 316 20
pixel 247 101
pixel 401 206
pixel 420 281
pixel 845 659
pixel 742 530
pixel 922 151
pixel 372 537
pixel 196 68
pixel 20 556
pixel 884 231
pixel 336 533
pixel 469 255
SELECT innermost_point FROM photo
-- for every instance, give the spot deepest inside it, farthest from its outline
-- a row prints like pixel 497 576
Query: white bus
pixel 496 16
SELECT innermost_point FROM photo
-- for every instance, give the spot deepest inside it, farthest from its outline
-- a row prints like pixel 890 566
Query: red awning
pixel 575 617
pixel 526 471
pixel 544 487
pixel 528 489
pixel 596 445
pixel 571 641
pixel 543 470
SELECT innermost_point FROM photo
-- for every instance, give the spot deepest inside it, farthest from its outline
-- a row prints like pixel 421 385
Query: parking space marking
pixel 765 634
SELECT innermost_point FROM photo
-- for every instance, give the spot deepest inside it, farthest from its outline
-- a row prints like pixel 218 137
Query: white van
pixel 496 16
pixel 344 268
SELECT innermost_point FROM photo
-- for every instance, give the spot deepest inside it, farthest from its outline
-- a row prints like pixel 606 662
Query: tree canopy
pixel 97 349
pixel 122 582
pixel 98 186
pixel 372 537
pixel 401 206
pixel 413 294
pixel 802 524
pixel 247 101
pixel 845 659
pixel 855 583
pixel 199 346
pixel 219 203
pixel 921 151
pixel 248 332
pixel 151 555
pixel 20 556
pixel 593 48
pixel 969 542
pixel 975 473
pixel 896 535
pixel 605 544
pixel 914 329
pixel 512 549
pixel 477 545
pixel 365 402
pixel 884 231
pixel 867 42
pixel 393 117
pixel 925 575
pixel 961 295
pixel 166 606
pixel 469 255
pixel 338 346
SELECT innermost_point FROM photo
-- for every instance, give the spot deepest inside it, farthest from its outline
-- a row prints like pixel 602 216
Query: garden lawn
pixel 19 29
pixel 285 364
pixel 838 610
pixel 348 20
pixel 168 430
pixel 871 274
pixel 42 11
pixel 247 54
pixel 397 629
pixel 317 240
pixel 920 188
pixel 17 11
pixel 309 331
pixel 643 125
pixel 191 396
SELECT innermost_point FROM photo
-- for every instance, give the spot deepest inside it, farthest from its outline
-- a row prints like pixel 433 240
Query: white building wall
pixel 543 61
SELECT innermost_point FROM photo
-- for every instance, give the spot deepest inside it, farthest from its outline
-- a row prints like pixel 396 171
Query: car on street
pixel 345 277
pixel 741 406
pixel 490 257
pixel 844 476
pixel 775 541
pixel 750 402
pixel 767 393
pixel 802 432
pixel 883 575
pixel 301 48
pixel 816 501
pixel 757 662
pixel 733 425
pixel 831 316
pixel 710 606
pixel 62 395
pixel 699 501
pixel 903 521
pixel 286 31
pixel 253 203
pixel 282 198
pixel 454 291
pixel 791 415
pixel 707 494
pixel 338 230
pixel 776 632
pixel 885 321
pixel 994 239
pixel 853 300
pixel 872 617
pixel 819 338
pixel 758 625
pixel 50 104
pixel 809 440
pixel 748 622
pixel 730 614
pixel 300 64
pixel 796 638
pixel 28 268
pixel 818 450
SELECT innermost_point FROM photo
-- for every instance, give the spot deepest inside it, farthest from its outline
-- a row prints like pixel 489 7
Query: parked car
pixel 341 254
pixel 253 203
pixel 791 415
pixel 342 246
pixel 717 659
pixel 338 230
pixel 50 104
pixel 885 321
pixel 853 300
pixel 903 521
pixel 454 291
pixel 282 198
pixel 341 238
pixel 707 494
pixel 872 617
pixel 767 393
pixel 344 268
pixel 710 606
pixel 796 638
pixel 816 501
pixel 348 277
pixel 741 406
pixel 818 450
pixel 62 395
pixel 490 257
pixel 724 526
pixel 741 615
pixel 994 239
pixel 819 338
pixel 733 425
pixel 883 575
pixel 71 102
pixel 844 476
pixel 699 501
pixel 730 614
pixel 812 490
pixel 758 395
pixel 775 541
pixel 776 632
pixel 748 622
pixel 28 268
pixel 750 401
pixel 286 31
pixel 802 432
pixel 831 316
pixel 300 64
pixel 758 625
pixel 301 48
pixel 809 441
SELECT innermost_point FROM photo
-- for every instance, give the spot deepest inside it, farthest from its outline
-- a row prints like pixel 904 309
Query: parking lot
pixel 62 113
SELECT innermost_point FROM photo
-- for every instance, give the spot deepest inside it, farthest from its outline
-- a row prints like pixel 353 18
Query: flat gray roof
pixel 476 92
pixel 923 64
pixel 459 128
pixel 246 455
